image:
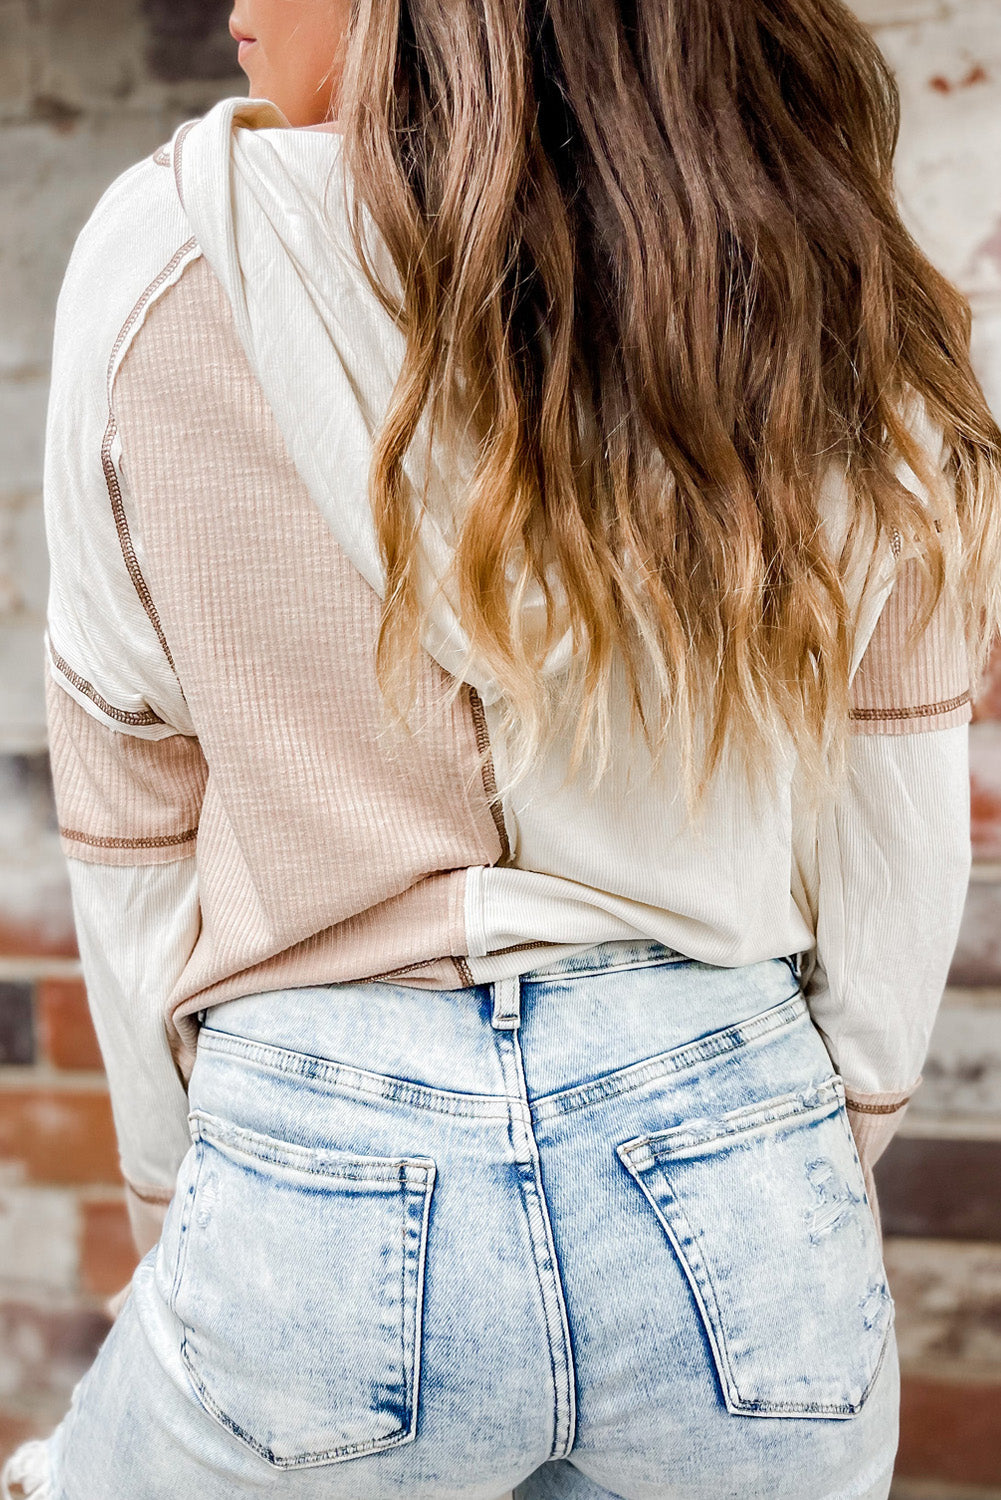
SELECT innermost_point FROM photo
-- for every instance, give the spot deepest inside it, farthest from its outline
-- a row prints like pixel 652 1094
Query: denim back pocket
pixel 298 1278
pixel 765 1208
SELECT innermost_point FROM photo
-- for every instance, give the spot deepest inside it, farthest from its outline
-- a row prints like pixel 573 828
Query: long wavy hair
pixel 651 262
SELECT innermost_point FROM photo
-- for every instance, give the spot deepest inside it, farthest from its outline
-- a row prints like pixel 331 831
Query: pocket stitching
pixel 419 1181
pixel 690 1270
pixel 319 1161
pixel 657 1144
pixel 184 1225
pixel 312 1459
pixel 646 1152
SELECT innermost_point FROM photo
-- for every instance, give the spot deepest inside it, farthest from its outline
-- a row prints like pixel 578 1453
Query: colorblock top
pixel 237 812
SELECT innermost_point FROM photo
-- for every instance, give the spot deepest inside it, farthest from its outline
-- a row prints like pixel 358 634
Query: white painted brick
pixel 986 350
pixel 24 563
pixel 878 13
pixel 90 54
pixel 39 1236
pixel 34 887
pixel 949 74
pixel 10 590
pixel 17 41
pixel 22 697
pixel 22 433
pixel 949 1299
pixel 961 1077
pixel 50 182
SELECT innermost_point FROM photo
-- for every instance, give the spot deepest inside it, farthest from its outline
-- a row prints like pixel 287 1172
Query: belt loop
pixel 507 1003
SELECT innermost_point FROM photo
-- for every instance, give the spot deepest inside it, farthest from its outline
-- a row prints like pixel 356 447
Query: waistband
pixel 607 957
pixel 616 953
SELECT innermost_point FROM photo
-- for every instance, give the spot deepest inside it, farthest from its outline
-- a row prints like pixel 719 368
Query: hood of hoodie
pixel 267 204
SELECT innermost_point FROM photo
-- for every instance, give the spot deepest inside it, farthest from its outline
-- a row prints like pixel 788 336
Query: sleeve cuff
pixel 147 1208
pixel 874 1121
pixel 885 1103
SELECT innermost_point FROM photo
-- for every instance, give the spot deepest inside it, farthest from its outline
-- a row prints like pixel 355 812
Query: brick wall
pixel 85 89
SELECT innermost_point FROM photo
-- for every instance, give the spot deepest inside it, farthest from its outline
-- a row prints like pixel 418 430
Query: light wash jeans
pixel 597 1231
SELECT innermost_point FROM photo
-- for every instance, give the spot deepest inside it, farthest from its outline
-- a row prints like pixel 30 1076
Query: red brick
pixel 988 702
pixel 949 1431
pixel 15 1428
pixel 985 789
pixel 65 1026
pixel 107 1253
pixel 61 1135
pixel 985 812
pixel 37 939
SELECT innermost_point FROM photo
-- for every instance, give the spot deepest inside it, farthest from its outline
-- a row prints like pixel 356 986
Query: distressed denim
pixel 599 1230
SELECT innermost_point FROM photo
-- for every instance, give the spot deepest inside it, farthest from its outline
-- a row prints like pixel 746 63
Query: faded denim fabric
pixel 600 1230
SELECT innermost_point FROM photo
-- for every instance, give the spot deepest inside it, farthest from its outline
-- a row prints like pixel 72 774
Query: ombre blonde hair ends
pixel 651 261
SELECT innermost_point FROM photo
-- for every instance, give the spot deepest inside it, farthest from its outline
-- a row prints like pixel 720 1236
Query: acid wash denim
pixel 600 1230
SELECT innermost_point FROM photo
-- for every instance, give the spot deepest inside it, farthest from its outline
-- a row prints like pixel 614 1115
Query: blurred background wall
pixel 86 88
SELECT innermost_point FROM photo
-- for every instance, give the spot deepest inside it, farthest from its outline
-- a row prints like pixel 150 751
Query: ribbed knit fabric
pixel 121 800
pixel 899 683
pixel 875 1120
pixel 330 845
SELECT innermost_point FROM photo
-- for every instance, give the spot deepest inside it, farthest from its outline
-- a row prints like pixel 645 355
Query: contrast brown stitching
pixel 489 777
pixel 876 1109
pixel 158 841
pixel 121 715
pixel 111 477
pixel 919 711
pixel 406 968
pixel 464 971
pixel 517 947
pixel 162 157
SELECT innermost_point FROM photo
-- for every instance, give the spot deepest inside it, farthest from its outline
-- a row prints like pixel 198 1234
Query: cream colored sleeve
pixel 128 816
pixel 135 927
pixel 893 862
pixel 127 770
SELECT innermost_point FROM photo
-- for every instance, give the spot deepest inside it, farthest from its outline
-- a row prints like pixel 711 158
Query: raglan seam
pixel 112 480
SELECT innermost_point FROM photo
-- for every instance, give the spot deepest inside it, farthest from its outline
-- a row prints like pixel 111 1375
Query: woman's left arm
pixel 127 768
pixel 128 815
